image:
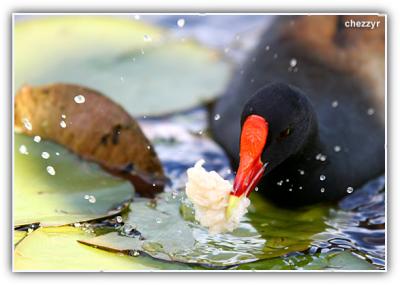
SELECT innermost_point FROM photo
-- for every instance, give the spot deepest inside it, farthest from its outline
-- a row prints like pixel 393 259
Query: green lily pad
pixel 52 191
pixel 165 229
pixel 325 261
pixel 18 236
pixel 136 65
pixel 57 249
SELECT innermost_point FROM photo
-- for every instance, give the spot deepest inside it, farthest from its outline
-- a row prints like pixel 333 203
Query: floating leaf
pixel 325 261
pixel 160 230
pixel 63 188
pixel 92 126
pixel 113 56
pixel 18 236
pixel 57 249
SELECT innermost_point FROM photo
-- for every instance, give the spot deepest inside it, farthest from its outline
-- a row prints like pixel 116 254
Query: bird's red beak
pixel 252 142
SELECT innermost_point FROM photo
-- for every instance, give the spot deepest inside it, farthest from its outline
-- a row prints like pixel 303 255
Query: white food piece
pixel 209 193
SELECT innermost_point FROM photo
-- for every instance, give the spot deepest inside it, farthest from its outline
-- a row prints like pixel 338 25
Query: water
pixel 79 99
pixel 50 169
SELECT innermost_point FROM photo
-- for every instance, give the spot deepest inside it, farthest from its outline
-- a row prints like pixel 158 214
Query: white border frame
pixel 14 14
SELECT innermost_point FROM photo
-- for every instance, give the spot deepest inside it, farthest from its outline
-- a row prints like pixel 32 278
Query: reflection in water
pixel 357 224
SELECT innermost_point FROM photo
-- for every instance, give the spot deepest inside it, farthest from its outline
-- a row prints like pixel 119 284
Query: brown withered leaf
pixel 97 129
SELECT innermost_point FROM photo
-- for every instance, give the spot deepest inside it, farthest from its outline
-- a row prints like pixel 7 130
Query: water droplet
pixel 174 194
pixel 86 196
pixel 158 221
pixel 23 149
pixel 77 225
pixel 63 116
pixel 337 148
pixel 322 190
pixel 267 48
pixel 290 189
pixel 79 99
pixel 217 117
pixel 51 170
pixel 147 38
pixel 322 177
pixel 154 184
pixel 30 230
pixel 320 157
pixel 127 229
pixel 279 183
pixel 27 124
pixel 57 153
pixel 181 23
pixel 148 147
pixel 37 139
pixel 335 104
pixel 301 171
pixel 92 199
pixel 349 190
pixel 300 187
pixel 370 111
pixel 256 189
pixel 45 155
pixel 293 62
pixel 63 124
pixel 287 180
pixel 136 253
pixel 119 219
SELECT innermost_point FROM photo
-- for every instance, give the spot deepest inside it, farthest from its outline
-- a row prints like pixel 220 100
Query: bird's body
pixel 339 75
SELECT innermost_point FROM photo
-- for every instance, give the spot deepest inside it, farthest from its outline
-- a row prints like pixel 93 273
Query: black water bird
pixel 303 119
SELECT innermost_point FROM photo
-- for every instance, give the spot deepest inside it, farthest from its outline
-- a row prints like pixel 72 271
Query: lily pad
pixel 53 186
pixel 163 229
pixel 137 65
pixel 57 249
pixel 18 236
pixel 325 261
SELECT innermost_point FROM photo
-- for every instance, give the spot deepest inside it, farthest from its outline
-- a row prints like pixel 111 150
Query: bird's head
pixel 276 123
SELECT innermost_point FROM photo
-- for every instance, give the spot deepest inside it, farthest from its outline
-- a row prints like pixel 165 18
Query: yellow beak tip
pixel 232 205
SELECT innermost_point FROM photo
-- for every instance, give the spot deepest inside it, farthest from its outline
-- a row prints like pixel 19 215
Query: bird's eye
pixel 285 133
